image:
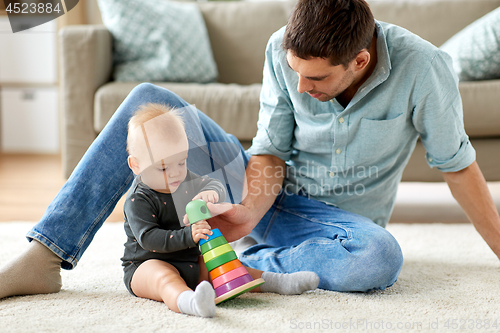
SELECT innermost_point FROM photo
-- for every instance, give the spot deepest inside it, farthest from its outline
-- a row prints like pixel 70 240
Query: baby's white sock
pixel 289 284
pixel 36 271
pixel 200 302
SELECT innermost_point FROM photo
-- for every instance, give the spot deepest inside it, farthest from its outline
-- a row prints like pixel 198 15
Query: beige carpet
pixel 450 282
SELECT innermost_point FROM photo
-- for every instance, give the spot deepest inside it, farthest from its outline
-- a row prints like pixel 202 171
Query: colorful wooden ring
pixel 217 252
pixel 223 269
pixel 240 290
pixel 238 282
pixel 216 233
pixel 221 260
pixel 204 248
pixel 229 276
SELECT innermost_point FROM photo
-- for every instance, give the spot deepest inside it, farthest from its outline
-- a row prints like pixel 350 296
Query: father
pixel 343 101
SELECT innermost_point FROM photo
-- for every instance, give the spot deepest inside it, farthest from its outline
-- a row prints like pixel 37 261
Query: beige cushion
pixel 239 32
pixel 486 155
pixel 435 21
pixel 481 107
pixel 235 108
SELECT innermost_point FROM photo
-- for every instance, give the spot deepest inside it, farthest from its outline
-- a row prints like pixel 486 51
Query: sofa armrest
pixel 85 65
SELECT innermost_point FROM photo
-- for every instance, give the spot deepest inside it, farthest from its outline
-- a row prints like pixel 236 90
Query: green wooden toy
pixel 217 252
pixel 197 210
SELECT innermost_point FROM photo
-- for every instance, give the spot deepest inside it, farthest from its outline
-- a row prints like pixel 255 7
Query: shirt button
pixel 430 159
pixel 341 120
pixel 338 151
pixel 332 174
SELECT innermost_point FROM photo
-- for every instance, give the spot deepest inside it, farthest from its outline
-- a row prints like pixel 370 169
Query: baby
pixel 162 261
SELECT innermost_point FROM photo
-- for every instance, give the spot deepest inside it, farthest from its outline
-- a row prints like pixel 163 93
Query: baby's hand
pixel 200 230
pixel 208 196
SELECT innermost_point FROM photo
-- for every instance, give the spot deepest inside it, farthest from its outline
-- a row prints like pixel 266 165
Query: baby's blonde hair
pixel 171 124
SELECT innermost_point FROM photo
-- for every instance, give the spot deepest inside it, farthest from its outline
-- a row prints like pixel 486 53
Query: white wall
pixel 29 121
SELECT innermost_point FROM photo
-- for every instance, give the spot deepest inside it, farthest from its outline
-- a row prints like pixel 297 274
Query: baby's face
pixel 160 162
pixel 167 174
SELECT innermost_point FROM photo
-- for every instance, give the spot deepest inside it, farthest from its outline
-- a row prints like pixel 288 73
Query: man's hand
pixel 208 196
pixel 263 179
pixel 200 230
pixel 234 221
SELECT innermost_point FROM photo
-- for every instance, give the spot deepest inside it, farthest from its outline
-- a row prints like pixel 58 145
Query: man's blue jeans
pixel 348 252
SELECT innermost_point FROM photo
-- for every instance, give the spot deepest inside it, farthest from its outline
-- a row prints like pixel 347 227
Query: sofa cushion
pixel 487 157
pixel 481 107
pixel 158 40
pixel 433 20
pixel 235 108
pixel 239 31
pixel 476 49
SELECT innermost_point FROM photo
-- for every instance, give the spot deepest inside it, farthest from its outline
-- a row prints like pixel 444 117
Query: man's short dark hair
pixel 331 29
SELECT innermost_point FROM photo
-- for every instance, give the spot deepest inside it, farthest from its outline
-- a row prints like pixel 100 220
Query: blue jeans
pixel 347 251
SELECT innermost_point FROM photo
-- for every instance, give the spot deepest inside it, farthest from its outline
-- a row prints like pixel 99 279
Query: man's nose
pixel 304 85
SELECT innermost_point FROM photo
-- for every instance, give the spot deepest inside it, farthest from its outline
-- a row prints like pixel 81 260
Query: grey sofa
pixel 238 33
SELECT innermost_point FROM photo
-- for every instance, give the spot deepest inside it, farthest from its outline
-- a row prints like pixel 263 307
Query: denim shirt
pixel 354 157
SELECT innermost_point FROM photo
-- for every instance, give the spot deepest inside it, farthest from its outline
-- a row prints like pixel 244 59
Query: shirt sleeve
pixel 142 216
pixel 276 122
pixel 438 117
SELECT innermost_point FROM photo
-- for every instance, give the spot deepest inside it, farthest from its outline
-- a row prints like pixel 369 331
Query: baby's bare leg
pixel 160 281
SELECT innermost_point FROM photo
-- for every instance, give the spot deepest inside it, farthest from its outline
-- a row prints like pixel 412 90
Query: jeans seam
pixel 290 251
pixel 273 217
pixel 62 254
pixel 348 233
pixel 196 142
pixel 212 159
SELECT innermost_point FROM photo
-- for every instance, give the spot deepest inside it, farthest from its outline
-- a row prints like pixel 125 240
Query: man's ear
pixel 362 59
pixel 133 164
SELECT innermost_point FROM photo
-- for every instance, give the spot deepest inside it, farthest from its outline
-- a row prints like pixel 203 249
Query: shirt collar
pixel 382 69
pixel 384 61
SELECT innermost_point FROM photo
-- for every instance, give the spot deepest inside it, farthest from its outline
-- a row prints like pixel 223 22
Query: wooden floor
pixel 28 183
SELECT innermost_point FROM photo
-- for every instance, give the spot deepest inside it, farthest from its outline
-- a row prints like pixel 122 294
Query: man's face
pixel 319 78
